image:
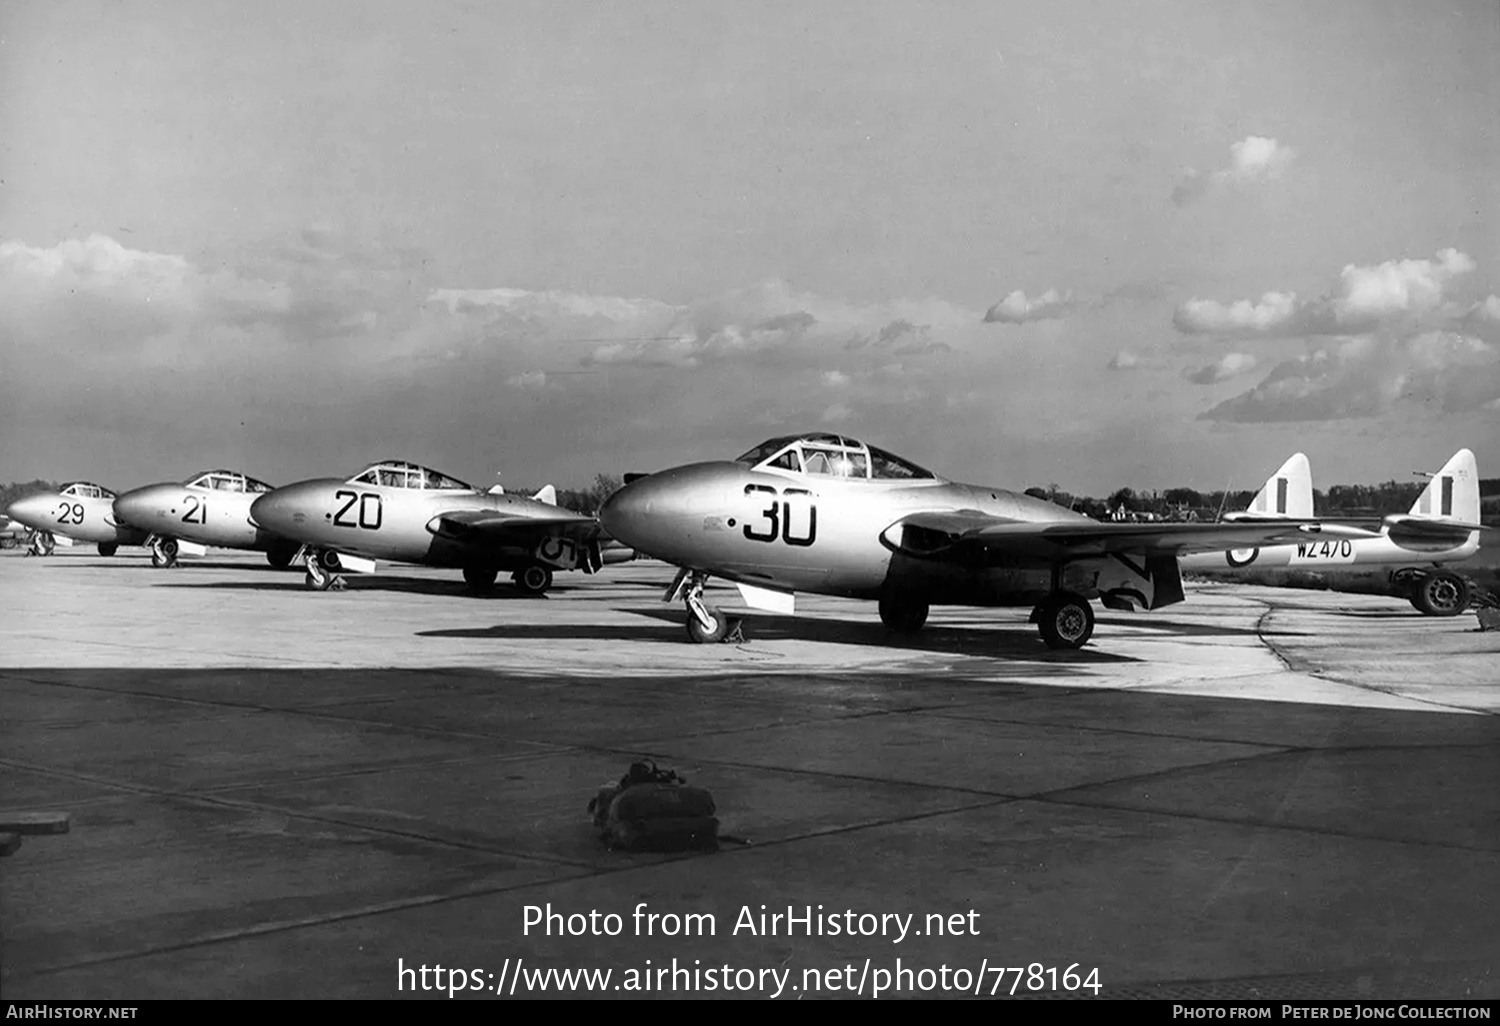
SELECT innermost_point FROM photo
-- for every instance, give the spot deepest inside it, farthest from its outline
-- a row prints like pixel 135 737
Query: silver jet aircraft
pixel 399 511
pixel 1441 527
pixel 827 514
pixel 77 512
pixel 211 508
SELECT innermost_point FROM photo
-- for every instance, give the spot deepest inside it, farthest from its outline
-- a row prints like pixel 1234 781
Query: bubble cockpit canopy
pixel 86 490
pixel 400 474
pixel 832 456
pixel 226 481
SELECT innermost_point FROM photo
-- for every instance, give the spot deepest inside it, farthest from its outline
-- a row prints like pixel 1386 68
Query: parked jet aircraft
pixel 1441 527
pixel 400 511
pixel 828 514
pixel 79 511
pixel 211 508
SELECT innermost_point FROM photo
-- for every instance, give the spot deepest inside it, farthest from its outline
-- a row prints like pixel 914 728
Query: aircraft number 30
pixel 784 519
pixel 368 514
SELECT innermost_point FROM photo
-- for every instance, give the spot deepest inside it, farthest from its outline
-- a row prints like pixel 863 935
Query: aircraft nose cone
pixel 138 506
pixel 622 510
pixel 28 510
pixel 285 510
pixel 663 514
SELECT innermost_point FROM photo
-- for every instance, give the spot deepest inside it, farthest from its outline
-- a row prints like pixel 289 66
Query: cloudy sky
pixel 1153 243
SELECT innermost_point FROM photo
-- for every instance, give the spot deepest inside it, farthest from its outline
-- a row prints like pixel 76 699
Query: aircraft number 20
pixel 783 519
pixel 368 515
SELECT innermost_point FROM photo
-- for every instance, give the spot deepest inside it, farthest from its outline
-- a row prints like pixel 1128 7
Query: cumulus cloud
pixel 1365 376
pixel 835 379
pixel 1018 308
pixel 1124 360
pixel 838 413
pixel 1275 310
pixel 1252 160
pixel 1230 365
pixel 1364 298
pixel 1483 318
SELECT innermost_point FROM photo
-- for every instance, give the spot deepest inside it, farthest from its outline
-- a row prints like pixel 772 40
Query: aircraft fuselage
pixel 797 532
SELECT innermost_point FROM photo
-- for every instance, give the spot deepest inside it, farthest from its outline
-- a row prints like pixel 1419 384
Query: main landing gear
pixel 534 580
pixel 108 548
pixel 323 568
pixel 1066 620
pixel 901 615
pixel 42 544
pixel 1435 593
pixel 163 552
pixel 705 623
pixel 281 554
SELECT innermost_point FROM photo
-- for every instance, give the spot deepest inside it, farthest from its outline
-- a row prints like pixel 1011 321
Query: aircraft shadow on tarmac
pixel 1021 642
pixel 409 585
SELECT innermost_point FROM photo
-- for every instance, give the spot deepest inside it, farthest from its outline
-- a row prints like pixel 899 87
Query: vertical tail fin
pixel 1453 492
pixel 1286 493
pixel 547 495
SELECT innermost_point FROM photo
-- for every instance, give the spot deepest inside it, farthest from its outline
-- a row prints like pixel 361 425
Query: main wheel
pixel 1443 593
pixel 1066 621
pixel 164 552
pixel 534 580
pixel 479 578
pixel 281 554
pixel 702 636
pixel 108 548
pixel 903 616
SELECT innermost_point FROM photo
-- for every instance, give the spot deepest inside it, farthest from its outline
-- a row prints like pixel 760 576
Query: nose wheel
pixel 705 623
pixel 164 552
pixel 42 544
pixel 323 568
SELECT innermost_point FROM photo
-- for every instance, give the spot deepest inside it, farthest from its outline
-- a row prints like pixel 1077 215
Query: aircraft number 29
pixel 70 513
pixel 368 516
pixel 782 519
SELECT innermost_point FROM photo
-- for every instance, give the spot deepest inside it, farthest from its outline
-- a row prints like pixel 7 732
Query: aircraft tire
pixel 42 543
pixel 319 577
pixel 280 556
pixel 108 548
pixel 695 630
pixel 164 553
pixel 1443 593
pixel 534 580
pixel 1066 621
pixel 479 578
pixel 903 616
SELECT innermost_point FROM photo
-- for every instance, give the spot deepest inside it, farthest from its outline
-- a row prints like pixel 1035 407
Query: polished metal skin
pixel 211 508
pixel 400 511
pixel 79 511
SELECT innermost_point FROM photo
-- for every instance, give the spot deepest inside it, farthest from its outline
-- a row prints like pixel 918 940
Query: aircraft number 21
pixel 784 519
pixel 369 513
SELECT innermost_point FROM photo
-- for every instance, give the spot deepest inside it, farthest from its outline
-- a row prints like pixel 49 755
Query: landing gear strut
pixel 42 544
pixel 705 624
pixel 534 580
pixel 164 552
pixel 1066 620
pixel 323 568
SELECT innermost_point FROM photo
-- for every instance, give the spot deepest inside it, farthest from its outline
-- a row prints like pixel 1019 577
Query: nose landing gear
pixel 323 570
pixel 163 552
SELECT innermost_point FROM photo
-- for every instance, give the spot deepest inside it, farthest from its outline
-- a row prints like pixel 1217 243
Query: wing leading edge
pixel 953 535
pixel 481 525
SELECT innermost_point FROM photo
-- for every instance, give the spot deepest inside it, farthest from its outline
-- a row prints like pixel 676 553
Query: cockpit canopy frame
pixel 227 481
pixel 85 490
pixel 823 454
pixel 402 474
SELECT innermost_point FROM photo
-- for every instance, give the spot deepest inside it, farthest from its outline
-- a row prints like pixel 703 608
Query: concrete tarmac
pixel 1257 793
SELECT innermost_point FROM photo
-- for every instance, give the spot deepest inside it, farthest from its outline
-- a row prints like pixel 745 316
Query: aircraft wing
pixel 478 526
pixel 955 534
